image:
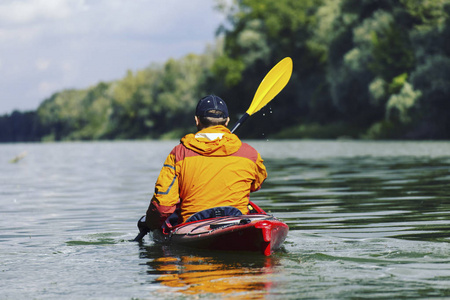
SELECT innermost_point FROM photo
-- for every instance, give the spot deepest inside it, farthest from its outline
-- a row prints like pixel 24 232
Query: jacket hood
pixel 213 141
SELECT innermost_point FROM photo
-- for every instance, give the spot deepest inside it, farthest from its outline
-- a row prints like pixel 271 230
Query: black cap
pixel 211 102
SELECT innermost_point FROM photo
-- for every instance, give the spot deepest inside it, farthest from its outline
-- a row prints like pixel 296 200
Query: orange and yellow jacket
pixel 208 169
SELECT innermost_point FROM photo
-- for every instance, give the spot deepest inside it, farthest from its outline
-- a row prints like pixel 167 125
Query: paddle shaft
pixel 241 120
pixel 143 229
pixel 140 236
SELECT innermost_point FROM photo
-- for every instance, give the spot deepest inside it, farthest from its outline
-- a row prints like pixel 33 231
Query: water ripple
pixel 367 220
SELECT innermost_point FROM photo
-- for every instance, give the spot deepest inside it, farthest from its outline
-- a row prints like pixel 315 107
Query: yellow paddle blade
pixel 271 85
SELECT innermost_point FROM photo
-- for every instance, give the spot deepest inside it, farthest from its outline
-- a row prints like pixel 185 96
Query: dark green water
pixel 367 220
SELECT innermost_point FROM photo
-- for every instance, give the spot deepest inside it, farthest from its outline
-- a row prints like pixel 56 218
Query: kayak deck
pixel 254 232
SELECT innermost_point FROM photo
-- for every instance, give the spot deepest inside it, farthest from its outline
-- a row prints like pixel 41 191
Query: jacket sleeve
pixel 166 195
pixel 261 175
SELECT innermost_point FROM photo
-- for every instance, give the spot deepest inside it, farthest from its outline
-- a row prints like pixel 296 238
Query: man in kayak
pixel 209 169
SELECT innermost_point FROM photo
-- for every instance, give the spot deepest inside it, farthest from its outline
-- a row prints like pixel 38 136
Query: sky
pixel 50 45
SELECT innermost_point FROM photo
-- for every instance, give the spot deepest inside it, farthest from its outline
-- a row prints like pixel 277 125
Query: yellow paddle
pixel 270 86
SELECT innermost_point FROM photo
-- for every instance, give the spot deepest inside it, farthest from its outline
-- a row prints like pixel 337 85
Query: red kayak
pixel 256 231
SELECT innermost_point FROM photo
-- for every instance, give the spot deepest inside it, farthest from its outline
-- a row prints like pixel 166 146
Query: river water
pixel 367 220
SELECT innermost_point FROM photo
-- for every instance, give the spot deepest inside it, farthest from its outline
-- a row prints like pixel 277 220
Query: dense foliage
pixel 362 69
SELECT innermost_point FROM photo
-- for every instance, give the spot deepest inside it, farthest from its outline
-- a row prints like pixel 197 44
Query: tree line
pixel 362 69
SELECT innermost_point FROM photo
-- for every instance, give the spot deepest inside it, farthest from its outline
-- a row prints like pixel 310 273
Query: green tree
pixel 360 66
pixel 20 127
pixel 260 33
pixel 62 113
pixel 433 80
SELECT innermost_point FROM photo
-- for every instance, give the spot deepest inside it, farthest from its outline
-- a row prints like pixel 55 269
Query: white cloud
pixel 18 36
pixel 42 64
pixel 67 66
pixel 46 87
pixel 26 11
pixel 51 45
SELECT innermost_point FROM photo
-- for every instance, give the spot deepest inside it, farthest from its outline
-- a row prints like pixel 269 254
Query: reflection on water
pixel 404 197
pixel 195 272
pixel 347 218
pixel 367 220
